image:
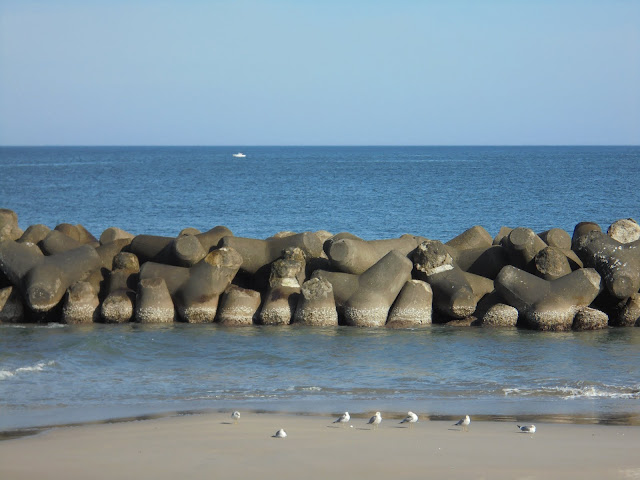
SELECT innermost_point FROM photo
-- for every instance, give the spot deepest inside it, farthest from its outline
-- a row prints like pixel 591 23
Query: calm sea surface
pixel 55 374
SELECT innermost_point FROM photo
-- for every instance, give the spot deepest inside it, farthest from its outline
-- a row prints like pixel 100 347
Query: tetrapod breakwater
pixel 548 280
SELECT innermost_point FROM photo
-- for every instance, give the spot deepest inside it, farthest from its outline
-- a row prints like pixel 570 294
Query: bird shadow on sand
pixel 226 423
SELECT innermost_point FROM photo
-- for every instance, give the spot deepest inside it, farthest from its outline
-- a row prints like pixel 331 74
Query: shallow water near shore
pixel 55 374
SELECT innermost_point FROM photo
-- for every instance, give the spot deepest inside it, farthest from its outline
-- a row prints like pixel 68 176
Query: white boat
pixel 239 155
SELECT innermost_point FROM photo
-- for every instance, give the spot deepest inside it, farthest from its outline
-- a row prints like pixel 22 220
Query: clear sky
pixel 330 72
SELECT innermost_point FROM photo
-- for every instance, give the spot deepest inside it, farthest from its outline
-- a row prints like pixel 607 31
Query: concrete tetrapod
pixel 190 249
pixel 114 233
pixel 238 306
pixel 118 305
pixel 9 229
pixel 151 248
pixel 34 234
pixel 44 280
pixel 625 230
pixel 16 259
pixel 522 245
pixel 196 290
pixel 473 238
pixel 492 312
pixel 78 233
pixel 486 262
pixel 343 285
pixel 197 298
pixel 349 255
pixel 316 305
pixel 551 263
pixel 504 231
pixel 46 283
pixel 412 307
pixel 153 302
pixel 187 250
pixel 548 305
pixel 281 298
pixel 257 255
pixel 500 315
pixel 189 231
pixel 58 242
pixel 587 318
pixel 109 251
pixel 81 304
pixel 480 286
pixel 629 312
pixel 327 242
pixel 297 255
pixel 617 263
pixel 452 294
pixel 556 237
pixel 582 229
pixel 11 307
pixel 560 239
pixel 378 288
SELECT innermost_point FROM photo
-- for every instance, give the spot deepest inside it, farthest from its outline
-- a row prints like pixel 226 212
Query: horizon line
pixel 79 145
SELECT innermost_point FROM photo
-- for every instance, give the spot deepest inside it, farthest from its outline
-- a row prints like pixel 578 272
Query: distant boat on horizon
pixel 239 155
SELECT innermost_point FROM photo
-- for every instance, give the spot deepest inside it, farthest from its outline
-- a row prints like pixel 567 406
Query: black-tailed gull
pixel 463 422
pixel 527 428
pixel 344 418
pixel 411 418
pixel 375 420
pixel 280 434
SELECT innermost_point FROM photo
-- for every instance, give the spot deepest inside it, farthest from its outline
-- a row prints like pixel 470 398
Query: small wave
pixel 38 367
pixel 580 391
pixel 303 389
pixel 48 325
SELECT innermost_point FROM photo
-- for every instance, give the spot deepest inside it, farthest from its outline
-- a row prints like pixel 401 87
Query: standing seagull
pixel 344 418
pixel 280 434
pixel 411 418
pixel 527 428
pixel 464 423
pixel 375 420
pixel 236 416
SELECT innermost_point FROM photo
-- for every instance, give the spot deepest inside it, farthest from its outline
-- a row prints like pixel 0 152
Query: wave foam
pixel 303 389
pixel 38 367
pixel 568 392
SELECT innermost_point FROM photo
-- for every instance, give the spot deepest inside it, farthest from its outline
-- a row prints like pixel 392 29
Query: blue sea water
pixel 373 192
pixel 56 374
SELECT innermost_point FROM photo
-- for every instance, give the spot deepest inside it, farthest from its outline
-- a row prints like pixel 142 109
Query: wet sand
pixel 211 446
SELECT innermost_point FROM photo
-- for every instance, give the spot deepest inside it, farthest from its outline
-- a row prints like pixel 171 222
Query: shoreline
pixel 211 445
pixel 615 419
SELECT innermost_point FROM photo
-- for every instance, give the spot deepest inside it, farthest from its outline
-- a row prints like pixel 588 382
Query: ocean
pixel 54 374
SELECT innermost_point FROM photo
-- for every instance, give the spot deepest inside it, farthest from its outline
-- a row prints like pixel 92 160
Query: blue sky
pixel 330 72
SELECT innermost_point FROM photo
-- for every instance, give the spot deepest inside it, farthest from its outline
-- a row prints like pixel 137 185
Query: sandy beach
pixel 211 446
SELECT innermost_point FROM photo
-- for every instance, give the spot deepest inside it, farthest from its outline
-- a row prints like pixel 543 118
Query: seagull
pixel 375 420
pixel 527 428
pixel 236 416
pixel 280 434
pixel 344 418
pixel 463 422
pixel 411 418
